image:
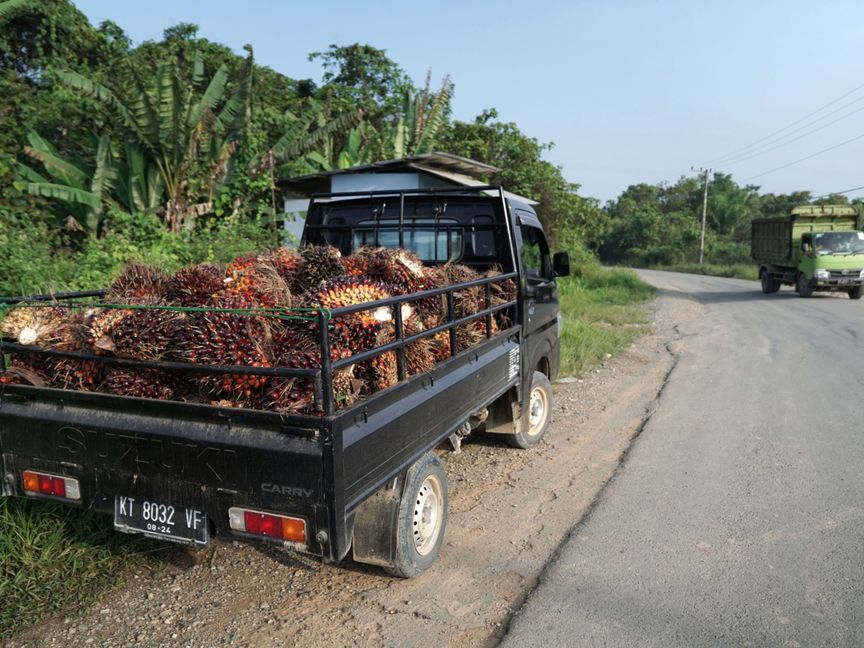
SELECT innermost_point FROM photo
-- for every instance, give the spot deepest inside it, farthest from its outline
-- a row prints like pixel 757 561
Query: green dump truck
pixel 817 248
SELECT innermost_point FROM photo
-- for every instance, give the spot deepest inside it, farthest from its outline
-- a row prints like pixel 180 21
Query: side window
pixel 535 254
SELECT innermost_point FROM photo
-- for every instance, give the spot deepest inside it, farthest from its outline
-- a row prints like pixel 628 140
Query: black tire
pixel 422 518
pixel 769 284
pixel 803 286
pixel 539 413
pixel 856 292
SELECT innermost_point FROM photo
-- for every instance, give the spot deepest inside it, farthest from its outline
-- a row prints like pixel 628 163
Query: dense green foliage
pixel 652 225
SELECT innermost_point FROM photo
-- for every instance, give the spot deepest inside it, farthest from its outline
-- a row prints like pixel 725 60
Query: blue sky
pixel 628 91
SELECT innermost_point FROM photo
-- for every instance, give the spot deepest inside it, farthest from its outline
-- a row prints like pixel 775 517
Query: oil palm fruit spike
pixel 142 383
pixel 356 265
pixel 401 270
pixel 72 373
pixel 32 324
pixel 138 283
pixel 440 345
pixel 100 327
pixel 358 330
pixel 226 339
pixel 145 334
pixel 239 264
pixel 195 285
pixel 287 263
pixel 467 301
pixel 321 263
pixel 432 310
pixel 260 284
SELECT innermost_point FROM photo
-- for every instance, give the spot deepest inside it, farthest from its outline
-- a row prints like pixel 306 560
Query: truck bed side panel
pixel 412 420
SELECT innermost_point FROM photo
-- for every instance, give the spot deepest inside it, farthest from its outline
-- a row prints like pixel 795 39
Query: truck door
pixel 540 304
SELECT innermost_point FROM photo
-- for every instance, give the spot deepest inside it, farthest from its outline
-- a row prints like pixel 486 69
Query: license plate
pixel 158 520
pixel 843 281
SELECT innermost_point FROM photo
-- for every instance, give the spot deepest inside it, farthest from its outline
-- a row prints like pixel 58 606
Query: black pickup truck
pixel 362 479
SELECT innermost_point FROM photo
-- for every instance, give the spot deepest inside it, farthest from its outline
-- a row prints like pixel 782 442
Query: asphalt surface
pixel 737 516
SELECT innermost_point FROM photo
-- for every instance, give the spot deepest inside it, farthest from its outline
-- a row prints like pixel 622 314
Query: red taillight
pixel 268 525
pixel 52 485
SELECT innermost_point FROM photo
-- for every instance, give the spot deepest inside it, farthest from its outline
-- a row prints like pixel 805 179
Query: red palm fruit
pixel 260 284
pixel 432 310
pixel 72 373
pixel 288 263
pixel 101 323
pixel 357 331
pixel 227 339
pixel 289 394
pixel 195 285
pixel 145 334
pixel 320 263
pixel 355 265
pixel 138 283
pixel 143 383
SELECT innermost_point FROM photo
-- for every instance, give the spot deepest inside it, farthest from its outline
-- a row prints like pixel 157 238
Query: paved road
pixel 737 517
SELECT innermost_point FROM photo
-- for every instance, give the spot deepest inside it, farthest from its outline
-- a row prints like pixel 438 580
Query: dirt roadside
pixel 509 512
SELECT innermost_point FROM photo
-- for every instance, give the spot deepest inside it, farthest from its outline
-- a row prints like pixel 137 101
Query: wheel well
pixel 543 367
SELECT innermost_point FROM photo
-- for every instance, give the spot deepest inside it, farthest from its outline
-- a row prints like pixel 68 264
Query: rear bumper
pixel 201 461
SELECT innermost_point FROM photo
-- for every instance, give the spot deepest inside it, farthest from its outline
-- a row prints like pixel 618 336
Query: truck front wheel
pixel 855 293
pixel 422 518
pixel 539 413
pixel 803 286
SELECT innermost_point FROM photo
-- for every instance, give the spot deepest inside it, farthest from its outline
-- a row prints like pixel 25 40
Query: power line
pixel 838 193
pixel 802 136
pixel 784 166
pixel 788 126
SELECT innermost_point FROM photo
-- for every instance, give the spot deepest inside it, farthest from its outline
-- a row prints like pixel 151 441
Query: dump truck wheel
pixel 803 287
pixel 422 518
pixel 855 293
pixel 769 283
pixel 539 413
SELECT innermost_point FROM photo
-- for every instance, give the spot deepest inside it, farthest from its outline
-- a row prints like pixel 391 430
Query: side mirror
pixel 561 264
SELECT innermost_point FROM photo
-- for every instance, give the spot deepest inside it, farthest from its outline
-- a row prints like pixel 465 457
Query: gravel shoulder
pixel 511 511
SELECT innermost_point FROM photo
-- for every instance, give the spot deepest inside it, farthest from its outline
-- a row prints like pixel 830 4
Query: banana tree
pixel 84 190
pixel 179 136
pixel 422 119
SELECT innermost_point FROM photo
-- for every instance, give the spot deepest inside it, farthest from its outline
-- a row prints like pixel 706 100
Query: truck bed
pixel 211 458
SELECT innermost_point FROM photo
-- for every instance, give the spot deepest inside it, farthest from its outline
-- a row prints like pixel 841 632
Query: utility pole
pixel 704 214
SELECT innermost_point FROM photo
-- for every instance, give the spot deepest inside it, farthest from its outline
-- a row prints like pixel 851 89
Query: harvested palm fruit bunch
pixel 138 283
pixel 501 292
pixel 400 270
pixel 466 301
pixel 67 373
pixel 31 324
pixel 100 323
pixel 297 395
pixel 144 334
pixel 195 285
pixel 259 283
pixel 354 332
pixel 143 383
pixel 287 263
pixel 224 338
pixel 320 263
pixel 432 310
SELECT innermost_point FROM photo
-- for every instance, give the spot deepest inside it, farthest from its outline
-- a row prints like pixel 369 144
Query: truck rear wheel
pixel 803 286
pixel 421 520
pixel 855 293
pixel 539 413
pixel 769 283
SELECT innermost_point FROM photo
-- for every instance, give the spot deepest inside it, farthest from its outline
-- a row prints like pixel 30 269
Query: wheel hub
pixel 427 516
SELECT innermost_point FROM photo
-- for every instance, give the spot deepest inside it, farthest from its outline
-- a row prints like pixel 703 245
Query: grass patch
pixel 602 315
pixel 55 557
pixel 737 271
